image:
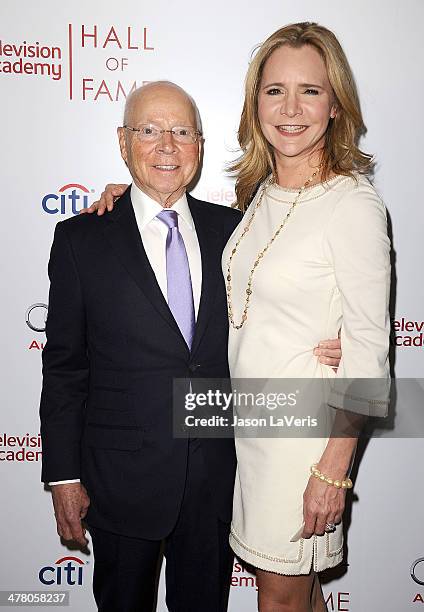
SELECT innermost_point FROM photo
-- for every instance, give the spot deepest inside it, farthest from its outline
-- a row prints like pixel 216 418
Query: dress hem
pixel 284 568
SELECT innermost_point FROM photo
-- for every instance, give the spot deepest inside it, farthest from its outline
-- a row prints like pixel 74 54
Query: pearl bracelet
pixel 339 484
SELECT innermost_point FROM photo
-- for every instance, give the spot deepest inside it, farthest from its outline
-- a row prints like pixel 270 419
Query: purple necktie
pixel 180 291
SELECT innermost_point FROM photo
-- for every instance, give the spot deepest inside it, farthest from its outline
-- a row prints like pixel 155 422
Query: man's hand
pixel 329 352
pixel 70 503
pixel 107 199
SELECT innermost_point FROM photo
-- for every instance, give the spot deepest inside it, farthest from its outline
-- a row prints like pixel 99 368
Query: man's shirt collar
pixel 146 208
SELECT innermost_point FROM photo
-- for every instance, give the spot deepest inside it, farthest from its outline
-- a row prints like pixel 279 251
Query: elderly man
pixel 137 298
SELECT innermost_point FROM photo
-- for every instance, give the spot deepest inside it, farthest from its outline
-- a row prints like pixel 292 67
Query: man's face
pixel 164 168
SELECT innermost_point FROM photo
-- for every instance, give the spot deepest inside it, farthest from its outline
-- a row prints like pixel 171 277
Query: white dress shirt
pixel 153 234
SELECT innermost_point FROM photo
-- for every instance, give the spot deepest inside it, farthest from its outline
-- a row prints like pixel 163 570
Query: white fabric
pixel 64 481
pixel 328 269
pixel 154 232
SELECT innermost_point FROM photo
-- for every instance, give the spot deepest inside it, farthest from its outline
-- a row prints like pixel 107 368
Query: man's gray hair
pixel 132 97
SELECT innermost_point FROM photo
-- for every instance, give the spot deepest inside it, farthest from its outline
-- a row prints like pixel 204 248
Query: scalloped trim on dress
pixel 264 555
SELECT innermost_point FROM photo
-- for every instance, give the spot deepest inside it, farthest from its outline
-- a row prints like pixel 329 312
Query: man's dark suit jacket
pixel 113 349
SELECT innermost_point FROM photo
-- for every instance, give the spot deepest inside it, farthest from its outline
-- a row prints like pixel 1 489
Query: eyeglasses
pixel 152 133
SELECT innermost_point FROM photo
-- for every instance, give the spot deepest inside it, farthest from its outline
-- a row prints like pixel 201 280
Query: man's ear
pixel 123 144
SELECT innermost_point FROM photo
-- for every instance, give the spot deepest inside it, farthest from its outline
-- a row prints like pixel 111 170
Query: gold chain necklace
pixel 261 253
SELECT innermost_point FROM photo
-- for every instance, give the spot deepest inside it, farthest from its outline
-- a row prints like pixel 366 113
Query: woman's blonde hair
pixel 341 154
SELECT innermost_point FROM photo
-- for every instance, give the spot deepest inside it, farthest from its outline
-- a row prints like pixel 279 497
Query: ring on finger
pixel 329 527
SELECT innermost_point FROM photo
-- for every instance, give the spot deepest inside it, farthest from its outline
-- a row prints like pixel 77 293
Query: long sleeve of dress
pixel 358 247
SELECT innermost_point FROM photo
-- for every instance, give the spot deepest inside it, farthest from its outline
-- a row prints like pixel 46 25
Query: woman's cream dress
pixel 329 269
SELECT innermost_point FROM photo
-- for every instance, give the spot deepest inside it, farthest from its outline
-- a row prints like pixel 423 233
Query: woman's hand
pixel 322 503
pixel 107 200
pixel 329 352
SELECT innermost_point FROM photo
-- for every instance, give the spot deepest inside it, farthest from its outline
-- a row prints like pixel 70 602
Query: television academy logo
pixel 20 448
pixel 407 332
pixel 99 62
pixel 70 198
pixel 116 46
pixel 30 58
pixel 67 570
pixel 221 196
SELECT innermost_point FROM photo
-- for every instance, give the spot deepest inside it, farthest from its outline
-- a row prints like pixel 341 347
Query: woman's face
pixel 295 102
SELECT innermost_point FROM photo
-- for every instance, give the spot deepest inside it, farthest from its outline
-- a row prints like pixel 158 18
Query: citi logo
pixel 69 198
pixel 67 570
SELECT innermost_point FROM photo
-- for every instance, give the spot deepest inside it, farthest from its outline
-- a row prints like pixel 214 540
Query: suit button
pixel 193 367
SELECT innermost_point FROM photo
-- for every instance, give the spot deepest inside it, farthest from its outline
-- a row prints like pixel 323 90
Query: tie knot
pixel 169 217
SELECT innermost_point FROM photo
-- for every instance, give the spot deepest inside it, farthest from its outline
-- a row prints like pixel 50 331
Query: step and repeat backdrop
pixel 65 71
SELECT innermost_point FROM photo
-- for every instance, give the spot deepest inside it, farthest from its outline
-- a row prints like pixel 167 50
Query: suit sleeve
pixel 65 366
pixel 359 249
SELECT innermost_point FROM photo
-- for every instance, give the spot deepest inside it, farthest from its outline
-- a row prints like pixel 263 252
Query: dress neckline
pixel 285 194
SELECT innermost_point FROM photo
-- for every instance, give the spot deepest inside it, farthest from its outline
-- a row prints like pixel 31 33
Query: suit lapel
pixel 209 234
pixel 123 234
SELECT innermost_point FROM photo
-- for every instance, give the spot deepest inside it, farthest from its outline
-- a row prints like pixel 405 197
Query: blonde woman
pixel 309 258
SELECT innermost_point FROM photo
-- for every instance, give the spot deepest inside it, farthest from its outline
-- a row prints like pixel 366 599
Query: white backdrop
pixel 59 148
